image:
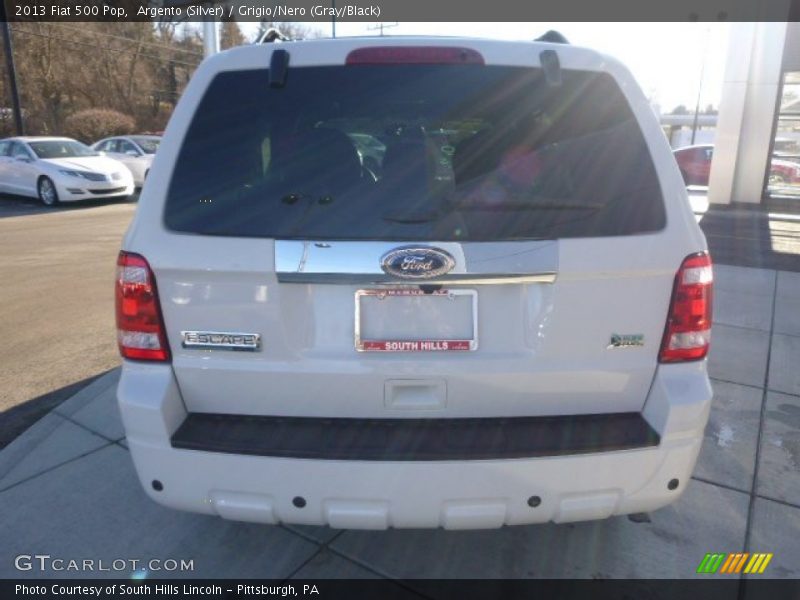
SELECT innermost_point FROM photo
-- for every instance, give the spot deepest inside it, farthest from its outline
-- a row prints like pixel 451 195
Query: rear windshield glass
pixel 414 152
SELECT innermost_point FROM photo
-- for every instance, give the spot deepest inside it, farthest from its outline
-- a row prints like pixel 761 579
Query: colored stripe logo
pixel 734 563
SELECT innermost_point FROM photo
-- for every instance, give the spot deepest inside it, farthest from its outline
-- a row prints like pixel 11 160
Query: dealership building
pixel 758 127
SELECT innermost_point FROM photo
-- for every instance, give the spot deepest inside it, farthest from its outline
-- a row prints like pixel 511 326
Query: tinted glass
pixel 414 152
pixel 783 179
pixel 61 149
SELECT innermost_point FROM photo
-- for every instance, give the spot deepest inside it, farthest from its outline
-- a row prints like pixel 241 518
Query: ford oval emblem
pixel 417 262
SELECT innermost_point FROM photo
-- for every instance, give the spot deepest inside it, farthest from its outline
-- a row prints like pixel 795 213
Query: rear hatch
pixel 414 235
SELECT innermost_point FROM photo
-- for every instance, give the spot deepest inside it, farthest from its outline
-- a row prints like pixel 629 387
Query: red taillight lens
pixel 417 55
pixel 688 330
pixel 140 328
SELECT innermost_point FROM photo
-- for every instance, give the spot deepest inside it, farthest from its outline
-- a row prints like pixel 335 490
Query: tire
pixel 47 192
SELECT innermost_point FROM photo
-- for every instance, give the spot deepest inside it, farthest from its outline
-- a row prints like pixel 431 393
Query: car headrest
pixel 318 156
pixel 409 161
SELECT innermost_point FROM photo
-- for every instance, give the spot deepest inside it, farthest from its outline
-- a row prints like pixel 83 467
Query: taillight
pixel 688 330
pixel 140 328
pixel 418 55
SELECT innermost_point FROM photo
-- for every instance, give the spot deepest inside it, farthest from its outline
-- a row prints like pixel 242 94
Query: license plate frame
pixel 415 345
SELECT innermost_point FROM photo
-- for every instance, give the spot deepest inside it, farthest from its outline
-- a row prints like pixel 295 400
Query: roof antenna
pixel 553 37
pixel 551 67
pixel 278 68
pixel 273 34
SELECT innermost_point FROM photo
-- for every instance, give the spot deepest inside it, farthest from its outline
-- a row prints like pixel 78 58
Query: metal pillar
pixel 210 37
pixel 750 91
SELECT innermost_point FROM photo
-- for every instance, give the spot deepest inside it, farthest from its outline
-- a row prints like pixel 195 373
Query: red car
pixel 695 165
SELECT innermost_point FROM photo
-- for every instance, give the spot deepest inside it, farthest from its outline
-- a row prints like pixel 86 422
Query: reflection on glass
pixel 784 170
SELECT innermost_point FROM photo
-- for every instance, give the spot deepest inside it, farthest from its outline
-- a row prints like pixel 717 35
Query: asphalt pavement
pixel 56 296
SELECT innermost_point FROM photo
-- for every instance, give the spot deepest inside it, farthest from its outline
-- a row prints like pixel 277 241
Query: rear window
pixel 415 153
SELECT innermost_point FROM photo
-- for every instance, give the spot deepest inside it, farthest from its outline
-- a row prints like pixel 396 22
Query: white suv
pixel 502 320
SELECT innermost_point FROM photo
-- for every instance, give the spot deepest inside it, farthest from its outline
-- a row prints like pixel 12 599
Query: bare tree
pixel 138 69
pixel 230 35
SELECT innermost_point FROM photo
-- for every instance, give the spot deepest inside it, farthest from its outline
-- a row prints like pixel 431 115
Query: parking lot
pixel 57 301
pixel 67 484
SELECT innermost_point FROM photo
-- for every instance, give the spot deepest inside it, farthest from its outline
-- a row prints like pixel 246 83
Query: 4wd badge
pixel 630 340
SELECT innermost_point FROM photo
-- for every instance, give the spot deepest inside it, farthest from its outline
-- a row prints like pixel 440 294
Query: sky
pixel 665 58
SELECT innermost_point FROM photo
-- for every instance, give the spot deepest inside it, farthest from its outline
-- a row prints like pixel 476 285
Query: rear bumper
pixel 436 492
pixel 414 439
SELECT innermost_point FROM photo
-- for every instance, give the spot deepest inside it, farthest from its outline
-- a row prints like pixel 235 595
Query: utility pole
pixel 12 72
pixel 381 26
pixel 700 85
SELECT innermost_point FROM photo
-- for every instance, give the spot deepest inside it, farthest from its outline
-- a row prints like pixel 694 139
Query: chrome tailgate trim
pixel 359 263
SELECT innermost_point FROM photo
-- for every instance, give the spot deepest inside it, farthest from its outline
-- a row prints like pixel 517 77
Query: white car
pixel 134 151
pixel 56 170
pixel 522 340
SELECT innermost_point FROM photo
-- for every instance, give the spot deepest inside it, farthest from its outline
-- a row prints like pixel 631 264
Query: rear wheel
pixel 47 192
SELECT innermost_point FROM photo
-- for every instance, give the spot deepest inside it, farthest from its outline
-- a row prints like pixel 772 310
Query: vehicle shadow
pixel 19 206
pixel 17 419
pixel 754 236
